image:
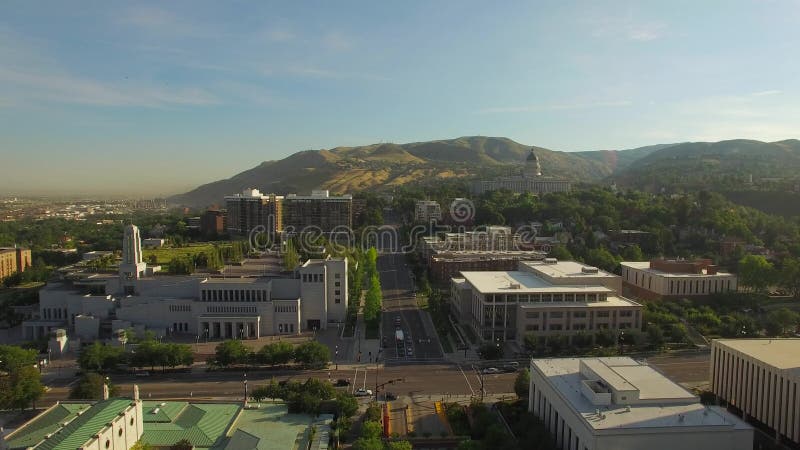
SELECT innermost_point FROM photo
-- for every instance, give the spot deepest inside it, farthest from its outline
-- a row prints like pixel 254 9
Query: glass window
pixel 556 314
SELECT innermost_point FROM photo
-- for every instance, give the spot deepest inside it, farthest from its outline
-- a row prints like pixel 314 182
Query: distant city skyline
pixel 154 98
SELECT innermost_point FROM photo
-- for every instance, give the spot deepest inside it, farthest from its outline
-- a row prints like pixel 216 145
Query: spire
pixel 136 392
pixel 105 391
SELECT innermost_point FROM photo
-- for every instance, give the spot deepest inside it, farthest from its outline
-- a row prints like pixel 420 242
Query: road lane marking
pixel 466 379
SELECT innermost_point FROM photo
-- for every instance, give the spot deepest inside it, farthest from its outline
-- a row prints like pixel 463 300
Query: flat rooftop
pixel 782 354
pixel 488 282
pixel 645 265
pixel 567 269
pixel 679 409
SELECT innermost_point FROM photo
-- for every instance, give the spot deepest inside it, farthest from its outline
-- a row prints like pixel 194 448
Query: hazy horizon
pixel 152 99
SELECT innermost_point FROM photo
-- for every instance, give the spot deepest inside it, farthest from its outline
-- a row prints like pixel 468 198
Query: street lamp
pixel 245 387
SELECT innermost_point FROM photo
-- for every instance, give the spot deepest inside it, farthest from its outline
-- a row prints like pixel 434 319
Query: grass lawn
pixel 165 255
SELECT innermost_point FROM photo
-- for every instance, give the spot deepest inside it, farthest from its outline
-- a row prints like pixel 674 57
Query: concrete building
pixel 426 211
pixel 621 404
pixel 487 238
pixel 760 379
pixel 252 209
pixel 320 211
pixel 14 260
pixel 153 242
pixel 118 423
pixel 673 279
pixel 531 181
pixel 212 222
pixel 545 298
pixel 93 306
pixel 444 265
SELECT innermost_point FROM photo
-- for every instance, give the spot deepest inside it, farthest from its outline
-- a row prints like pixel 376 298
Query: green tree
pixel 100 357
pixel 781 321
pixel 346 404
pixel 20 387
pixel 790 275
pixel 398 445
pixel 291 259
pixel 139 445
pixel 90 387
pixel 276 353
pixel 183 444
pixel 312 354
pixel 755 272
pixel 490 350
pixel 231 352
pixel 632 253
pixel 561 253
pixel 522 383
pixel 655 335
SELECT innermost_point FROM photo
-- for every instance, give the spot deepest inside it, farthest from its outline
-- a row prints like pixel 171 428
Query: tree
pixel 312 354
pixel 90 387
pixel 522 383
pixel 490 350
pixel 280 352
pixel 781 321
pixel 183 444
pixel 100 357
pixel 655 336
pixel 561 253
pixel 139 445
pixel 290 257
pixel 632 253
pixel 678 333
pixel 231 352
pixel 346 404
pixel 398 445
pixel 755 272
pixel 20 387
pixel 790 275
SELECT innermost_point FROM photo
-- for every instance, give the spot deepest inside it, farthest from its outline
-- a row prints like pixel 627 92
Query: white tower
pixel 132 267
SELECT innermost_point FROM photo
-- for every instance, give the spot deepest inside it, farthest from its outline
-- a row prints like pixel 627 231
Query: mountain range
pixel 724 165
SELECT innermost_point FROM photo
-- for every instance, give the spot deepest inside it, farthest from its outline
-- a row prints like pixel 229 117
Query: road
pixel 399 302
pixel 432 379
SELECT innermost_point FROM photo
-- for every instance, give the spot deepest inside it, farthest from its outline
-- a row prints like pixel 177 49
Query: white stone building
pixel 313 298
pixel 620 404
pixel 761 379
pixel 546 297
pixel 674 278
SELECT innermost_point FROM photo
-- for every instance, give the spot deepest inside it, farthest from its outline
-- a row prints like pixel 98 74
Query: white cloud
pixel 554 107
pixel 337 41
pixel 767 92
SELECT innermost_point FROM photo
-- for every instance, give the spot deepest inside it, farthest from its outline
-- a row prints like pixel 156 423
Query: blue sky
pixel 155 98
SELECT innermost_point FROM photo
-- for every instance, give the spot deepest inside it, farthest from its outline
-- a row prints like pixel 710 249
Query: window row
pixel 234 295
pixel 231 309
pixel 547 297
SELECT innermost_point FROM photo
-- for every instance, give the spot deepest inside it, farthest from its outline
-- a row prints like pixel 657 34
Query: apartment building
pixel 14 260
pixel 426 211
pixel 250 210
pixel 760 379
pixel 548 297
pixel 319 211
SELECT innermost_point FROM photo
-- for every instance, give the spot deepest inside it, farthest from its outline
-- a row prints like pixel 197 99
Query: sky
pixel 152 99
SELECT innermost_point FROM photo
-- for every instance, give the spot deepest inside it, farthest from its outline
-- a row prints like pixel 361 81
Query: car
pixel 361 392
pixel 143 373
pixel 509 368
pixel 490 370
pixel 409 351
pixel 342 382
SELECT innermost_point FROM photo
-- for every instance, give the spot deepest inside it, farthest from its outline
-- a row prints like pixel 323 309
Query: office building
pixel 14 260
pixel 319 211
pixel 210 307
pixel 531 181
pixel 253 210
pixel 548 297
pixel 675 278
pixel 444 265
pixel 426 211
pixel 620 404
pixel 760 379
pixel 212 223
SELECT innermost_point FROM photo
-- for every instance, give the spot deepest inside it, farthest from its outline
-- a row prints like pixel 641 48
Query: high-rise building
pixel 427 210
pixel 212 222
pixel 252 209
pixel 319 211
pixel 13 260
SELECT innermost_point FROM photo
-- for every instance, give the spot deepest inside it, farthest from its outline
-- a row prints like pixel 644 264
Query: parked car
pixel 511 367
pixel 490 370
pixel 361 392
pixel 342 382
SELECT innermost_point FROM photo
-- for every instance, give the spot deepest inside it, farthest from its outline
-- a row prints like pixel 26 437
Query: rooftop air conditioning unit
pixel 587 269
pixel 550 261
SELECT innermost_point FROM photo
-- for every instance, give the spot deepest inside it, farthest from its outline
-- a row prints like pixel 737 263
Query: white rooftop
pixel 645 266
pixel 501 283
pixel 782 354
pixel 663 403
pixel 567 269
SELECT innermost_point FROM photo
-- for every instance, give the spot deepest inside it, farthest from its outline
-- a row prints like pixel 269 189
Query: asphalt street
pixel 399 302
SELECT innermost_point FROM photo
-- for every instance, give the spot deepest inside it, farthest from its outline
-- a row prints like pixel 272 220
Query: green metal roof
pixel 35 430
pixel 86 425
pixel 202 424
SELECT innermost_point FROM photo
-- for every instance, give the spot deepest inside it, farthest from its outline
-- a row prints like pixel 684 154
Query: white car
pixel 491 370
pixel 361 392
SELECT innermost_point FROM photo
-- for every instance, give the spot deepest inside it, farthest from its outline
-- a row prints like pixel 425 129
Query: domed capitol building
pixel 530 181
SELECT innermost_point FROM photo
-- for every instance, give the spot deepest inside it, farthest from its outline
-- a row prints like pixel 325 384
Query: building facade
pixel 673 279
pixel 320 211
pixel 444 265
pixel 250 210
pixel 531 181
pixel 212 222
pixel 621 404
pixel 760 379
pixel 544 298
pixel 426 211
pixel 314 297
pixel 14 260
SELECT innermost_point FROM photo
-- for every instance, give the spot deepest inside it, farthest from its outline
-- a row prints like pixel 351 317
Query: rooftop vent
pixel 550 261
pixel 513 286
pixel 155 411
pixel 587 269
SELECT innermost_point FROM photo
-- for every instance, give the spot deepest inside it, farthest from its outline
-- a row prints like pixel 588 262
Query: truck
pixel 398 335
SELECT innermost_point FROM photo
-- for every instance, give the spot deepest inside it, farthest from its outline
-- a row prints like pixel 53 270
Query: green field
pixel 165 255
